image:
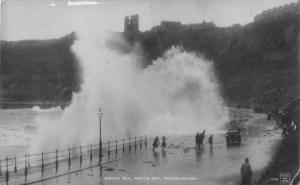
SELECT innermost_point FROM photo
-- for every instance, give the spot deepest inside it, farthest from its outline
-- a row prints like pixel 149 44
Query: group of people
pixel 199 141
pixel 288 129
pixel 156 142
pixel 246 171
pixel 200 138
pixel 283 120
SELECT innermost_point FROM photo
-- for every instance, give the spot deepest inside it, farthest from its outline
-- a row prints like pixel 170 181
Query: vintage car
pixel 233 137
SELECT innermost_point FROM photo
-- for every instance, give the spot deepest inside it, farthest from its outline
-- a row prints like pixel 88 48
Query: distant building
pixel 202 25
pixel 293 8
pixel 170 24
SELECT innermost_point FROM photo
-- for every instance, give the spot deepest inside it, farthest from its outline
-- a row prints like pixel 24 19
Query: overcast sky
pixel 42 19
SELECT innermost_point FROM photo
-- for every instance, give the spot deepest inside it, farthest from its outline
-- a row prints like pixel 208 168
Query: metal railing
pixel 42 166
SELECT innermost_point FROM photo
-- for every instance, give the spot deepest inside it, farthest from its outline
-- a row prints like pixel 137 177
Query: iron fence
pixel 31 168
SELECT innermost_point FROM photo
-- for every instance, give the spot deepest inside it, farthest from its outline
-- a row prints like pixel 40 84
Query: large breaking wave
pixel 176 95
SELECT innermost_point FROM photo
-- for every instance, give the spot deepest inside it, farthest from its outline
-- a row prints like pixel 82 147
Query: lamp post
pixel 100 115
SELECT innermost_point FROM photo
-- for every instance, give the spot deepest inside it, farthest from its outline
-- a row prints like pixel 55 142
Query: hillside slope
pixel 44 70
pixel 255 64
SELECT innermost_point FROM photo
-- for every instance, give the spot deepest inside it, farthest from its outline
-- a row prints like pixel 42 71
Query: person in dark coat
pixel 203 133
pixel 210 140
pixel 197 138
pixel 284 131
pixel 155 143
pixel 164 142
pixel 246 172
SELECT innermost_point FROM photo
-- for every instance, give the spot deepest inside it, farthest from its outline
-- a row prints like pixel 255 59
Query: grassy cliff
pixel 39 70
pixel 255 64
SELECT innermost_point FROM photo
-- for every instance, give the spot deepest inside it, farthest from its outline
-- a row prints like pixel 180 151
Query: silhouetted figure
pixel 201 138
pixel 163 143
pixel 293 126
pixel 210 140
pixel 155 143
pixel 197 139
pixel 290 130
pixel 203 133
pixel 284 131
pixel 246 172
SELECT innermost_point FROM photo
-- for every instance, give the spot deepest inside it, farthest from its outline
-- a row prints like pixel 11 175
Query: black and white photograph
pixel 149 92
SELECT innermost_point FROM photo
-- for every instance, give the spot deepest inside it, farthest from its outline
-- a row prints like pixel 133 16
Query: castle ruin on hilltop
pixel 131 24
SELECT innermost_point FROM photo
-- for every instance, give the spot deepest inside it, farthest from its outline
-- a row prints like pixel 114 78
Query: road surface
pixel 181 163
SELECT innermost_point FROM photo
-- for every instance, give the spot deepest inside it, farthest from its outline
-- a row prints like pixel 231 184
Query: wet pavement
pixel 180 163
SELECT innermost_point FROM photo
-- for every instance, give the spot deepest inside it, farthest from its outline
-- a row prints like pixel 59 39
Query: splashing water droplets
pixel 175 95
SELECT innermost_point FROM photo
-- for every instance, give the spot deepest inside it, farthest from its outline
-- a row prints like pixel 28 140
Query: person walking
pixel 203 133
pixel 246 172
pixel 284 131
pixel 197 138
pixel 164 142
pixel 210 140
pixel 155 143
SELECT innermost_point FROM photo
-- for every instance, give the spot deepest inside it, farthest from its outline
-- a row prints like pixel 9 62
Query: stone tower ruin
pixel 131 24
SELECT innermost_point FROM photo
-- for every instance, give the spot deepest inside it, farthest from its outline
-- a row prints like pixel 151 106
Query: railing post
pixel 101 170
pixel 91 155
pixel 28 161
pixel 15 169
pixel 100 152
pixel 69 160
pixel 26 168
pixel 0 169
pixel 80 163
pixel 56 161
pixel 42 167
pixel 108 150
pixel 116 148
pixel 123 147
pixel 135 144
pixel 7 173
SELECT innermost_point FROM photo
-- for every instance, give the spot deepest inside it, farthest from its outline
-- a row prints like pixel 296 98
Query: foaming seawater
pixel 18 126
pixel 183 93
pixel 38 109
pixel 177 94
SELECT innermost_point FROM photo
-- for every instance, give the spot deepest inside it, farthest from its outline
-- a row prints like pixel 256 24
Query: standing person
pixel 293 126
pixel 163 143
pixel 246 172
pixel 197 139
pixel 201 139
pixel 155 143
pixel 284 130
pixel 203 133
pixel 210 140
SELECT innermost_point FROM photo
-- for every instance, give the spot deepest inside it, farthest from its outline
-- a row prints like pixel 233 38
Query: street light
pixel 100 116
